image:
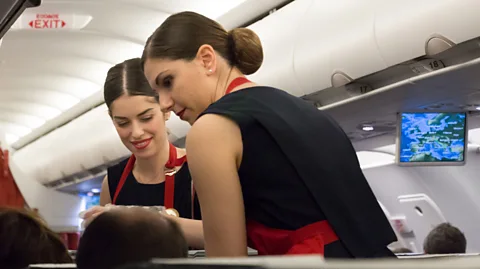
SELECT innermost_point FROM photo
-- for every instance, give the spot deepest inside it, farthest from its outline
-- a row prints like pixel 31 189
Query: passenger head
pixel 25 240
pixel 131 235
pixel 445 239
pixel 134 109
pixel 190 57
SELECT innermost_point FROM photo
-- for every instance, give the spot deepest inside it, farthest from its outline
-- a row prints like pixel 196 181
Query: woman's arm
pixel 192 229
pixel 214 147
pixel 105 193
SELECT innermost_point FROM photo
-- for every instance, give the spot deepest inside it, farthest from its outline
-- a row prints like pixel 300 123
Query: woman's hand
pixel 89 215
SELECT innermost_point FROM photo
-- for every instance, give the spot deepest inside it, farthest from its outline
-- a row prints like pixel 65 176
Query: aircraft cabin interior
pixel 401 78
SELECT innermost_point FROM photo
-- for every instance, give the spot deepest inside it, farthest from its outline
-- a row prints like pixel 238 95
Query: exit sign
pixel 47 21
pixel 51 21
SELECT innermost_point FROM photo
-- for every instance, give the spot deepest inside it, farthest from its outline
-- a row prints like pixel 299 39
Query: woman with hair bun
pixel 271 170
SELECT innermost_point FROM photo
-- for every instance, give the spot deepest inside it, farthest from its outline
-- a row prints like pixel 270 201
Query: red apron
pixel 172 162
pixel 310 239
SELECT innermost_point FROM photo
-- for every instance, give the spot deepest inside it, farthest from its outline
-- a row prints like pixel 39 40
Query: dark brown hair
pixel 126 78
pixel 445 239
pixel 402 250
pixel 120 237
pixel 182 34
pixel 25 240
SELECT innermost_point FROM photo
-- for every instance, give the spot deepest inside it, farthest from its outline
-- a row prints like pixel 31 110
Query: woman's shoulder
pixel 119 165
pixel 115 171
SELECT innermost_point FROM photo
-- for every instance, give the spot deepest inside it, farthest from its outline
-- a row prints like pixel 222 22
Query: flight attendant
pixel 156 174
pixel 285 178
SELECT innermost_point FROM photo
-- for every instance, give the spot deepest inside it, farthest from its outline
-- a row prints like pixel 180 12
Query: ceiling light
pixel 367 128
pixel 96 190
pixel 477 108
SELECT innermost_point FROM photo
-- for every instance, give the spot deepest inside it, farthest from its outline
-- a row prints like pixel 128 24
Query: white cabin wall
pixel 455 189
pixel 390 181
pixel 60 210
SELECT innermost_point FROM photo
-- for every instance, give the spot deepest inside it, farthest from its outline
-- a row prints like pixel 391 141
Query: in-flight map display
pixel 432 137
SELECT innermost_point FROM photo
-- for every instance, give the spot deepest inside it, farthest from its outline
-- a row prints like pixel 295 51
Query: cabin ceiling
pixel 44 72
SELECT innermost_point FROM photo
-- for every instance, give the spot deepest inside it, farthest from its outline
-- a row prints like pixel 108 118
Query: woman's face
pixel 140 124
pixel 185 87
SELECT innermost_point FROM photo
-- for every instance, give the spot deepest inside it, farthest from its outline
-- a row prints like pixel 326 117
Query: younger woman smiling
pixel 157 173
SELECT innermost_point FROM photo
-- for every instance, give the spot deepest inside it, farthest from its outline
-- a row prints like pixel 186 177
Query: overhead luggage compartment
pixel 336 44
pixel 407 29
pixel 277 33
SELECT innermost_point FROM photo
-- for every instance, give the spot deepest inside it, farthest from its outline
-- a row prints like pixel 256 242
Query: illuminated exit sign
pixel 53 21
pixel 47 21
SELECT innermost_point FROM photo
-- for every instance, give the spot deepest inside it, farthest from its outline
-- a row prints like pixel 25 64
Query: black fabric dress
pixel 299 167
pixel 135 193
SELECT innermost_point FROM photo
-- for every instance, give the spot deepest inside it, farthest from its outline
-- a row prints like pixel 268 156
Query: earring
pixel 210 70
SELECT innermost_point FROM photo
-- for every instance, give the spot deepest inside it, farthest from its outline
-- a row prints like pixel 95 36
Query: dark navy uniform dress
pixel 135 193
pixel 303 188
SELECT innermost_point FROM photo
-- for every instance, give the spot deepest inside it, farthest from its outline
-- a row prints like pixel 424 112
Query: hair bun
pixel 246 50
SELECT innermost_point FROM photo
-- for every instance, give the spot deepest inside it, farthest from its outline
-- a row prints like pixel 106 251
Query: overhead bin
pixel 336 37
pixel 354 51
pixel 84 143
pixel 278 33
pixel 448 89
pixel 403 28
pixel 96 133
pixel 354 39
pixel 248 10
